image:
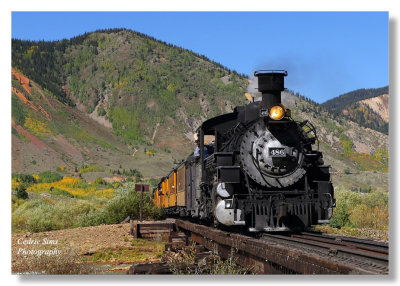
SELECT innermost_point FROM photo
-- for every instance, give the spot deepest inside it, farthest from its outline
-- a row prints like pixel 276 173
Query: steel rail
pixel 277 255
pixel 367 244
pixel 369 259
pixel 358 244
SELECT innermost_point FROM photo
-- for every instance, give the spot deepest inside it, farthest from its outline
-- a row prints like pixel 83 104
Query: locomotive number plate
pixel 277 152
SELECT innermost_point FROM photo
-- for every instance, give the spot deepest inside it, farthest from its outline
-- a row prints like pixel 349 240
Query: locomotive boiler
pixel 261 173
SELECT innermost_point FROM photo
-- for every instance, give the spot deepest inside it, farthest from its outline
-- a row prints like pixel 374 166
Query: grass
pixel 60 192
pixel 67 262
pixel 20 136
pixel 73 130
pixel 18 111
pixel 140 250
pixel 37 127
pixel 90 168
pixel 211 265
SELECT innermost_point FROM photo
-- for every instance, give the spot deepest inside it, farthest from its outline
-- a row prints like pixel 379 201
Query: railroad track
pixel 369 255
pixel 303 253
pixel 283 253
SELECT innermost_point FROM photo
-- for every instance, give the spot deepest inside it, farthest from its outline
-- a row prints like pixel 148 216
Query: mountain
pixel 367 107
pixel 117 100
pixel 132 81
pixel 358 155
pixel 117 89
pixel 379 105
pixel 342 101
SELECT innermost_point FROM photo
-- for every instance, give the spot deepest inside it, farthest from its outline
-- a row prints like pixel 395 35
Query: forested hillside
pixel 42 62
pixel 353 106
pixel 343 101
pixel 132 81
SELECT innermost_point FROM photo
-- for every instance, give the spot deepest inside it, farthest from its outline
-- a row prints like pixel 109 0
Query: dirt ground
pixel 103 244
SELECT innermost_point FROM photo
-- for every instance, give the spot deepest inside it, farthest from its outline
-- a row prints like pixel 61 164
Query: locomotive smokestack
pixel 270 84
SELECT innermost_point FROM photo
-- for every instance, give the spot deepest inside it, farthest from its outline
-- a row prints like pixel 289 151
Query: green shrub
pixel 38 215
pixel 40 219
pixel 126 202
pixel 90 168
pixel 17 110
pixel 116 185
pixel 23 178
pixel 154 182
pixel 94 217
pixel 90 109
pixel 101 111
pixel 21 192
pixel 16 203
pixel 99 181
pixel 340 216
pixel 49 177
pixel 61 168
pixel 60 192
pixel 377 198
pixel 347 144
pixel 361 208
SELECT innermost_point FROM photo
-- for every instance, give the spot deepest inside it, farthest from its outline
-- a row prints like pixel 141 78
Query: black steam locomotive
pixel 260 173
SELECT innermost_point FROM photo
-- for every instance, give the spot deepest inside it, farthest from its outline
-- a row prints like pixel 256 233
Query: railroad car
pixel 260 173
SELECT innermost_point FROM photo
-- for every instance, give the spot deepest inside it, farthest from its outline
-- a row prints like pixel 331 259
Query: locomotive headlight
pixel 277 112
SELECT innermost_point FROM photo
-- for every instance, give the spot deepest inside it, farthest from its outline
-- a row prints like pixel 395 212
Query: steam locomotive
pixel 261 172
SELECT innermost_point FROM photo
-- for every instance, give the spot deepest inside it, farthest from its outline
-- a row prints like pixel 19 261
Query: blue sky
pixel 326 53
